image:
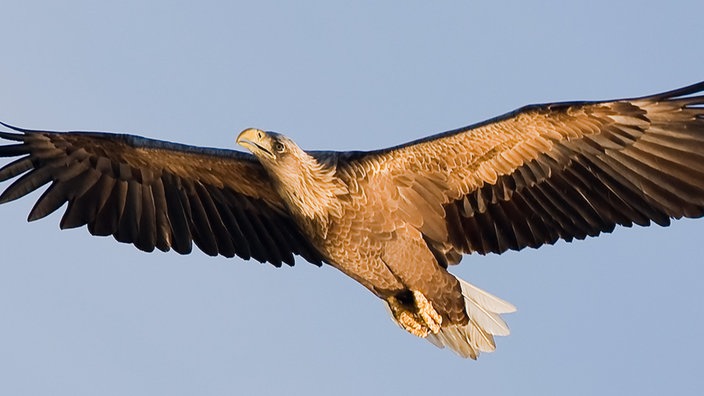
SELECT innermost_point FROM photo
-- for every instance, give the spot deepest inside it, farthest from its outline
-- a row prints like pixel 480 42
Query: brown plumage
pixel 392 219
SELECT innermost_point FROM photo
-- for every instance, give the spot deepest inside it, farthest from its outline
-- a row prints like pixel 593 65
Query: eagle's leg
pixel 415 313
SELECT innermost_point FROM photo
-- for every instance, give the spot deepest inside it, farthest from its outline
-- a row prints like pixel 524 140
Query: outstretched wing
pixel 154 194
pixel 549 172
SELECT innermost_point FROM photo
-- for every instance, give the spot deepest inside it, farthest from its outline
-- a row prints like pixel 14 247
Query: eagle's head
pixel 269 147
pixel 308 187
pixel 280 156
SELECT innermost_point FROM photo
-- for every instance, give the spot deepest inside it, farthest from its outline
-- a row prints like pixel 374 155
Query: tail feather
pixel 484 309
pixel 489 301
pixel 484 323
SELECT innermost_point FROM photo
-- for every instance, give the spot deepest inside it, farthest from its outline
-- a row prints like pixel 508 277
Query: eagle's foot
pixel 430 316
pixel 417 316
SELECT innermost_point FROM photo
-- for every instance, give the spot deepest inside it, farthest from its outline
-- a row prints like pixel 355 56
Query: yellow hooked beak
pixel 256 141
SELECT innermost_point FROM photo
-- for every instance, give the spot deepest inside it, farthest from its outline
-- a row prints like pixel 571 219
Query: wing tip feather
pixel 677 93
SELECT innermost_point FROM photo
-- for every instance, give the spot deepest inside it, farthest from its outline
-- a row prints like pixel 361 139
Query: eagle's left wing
pixel 549 172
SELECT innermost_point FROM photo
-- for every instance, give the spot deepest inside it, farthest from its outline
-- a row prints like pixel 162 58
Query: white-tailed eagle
pixel 392 219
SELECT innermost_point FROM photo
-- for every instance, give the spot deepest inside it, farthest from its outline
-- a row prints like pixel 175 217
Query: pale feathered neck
pixel 311 189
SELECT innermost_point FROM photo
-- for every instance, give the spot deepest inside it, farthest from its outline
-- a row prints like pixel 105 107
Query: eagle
pixel 392 219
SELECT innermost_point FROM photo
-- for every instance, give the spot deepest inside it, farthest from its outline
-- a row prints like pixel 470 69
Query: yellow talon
pixel 430 316
pixel 420 319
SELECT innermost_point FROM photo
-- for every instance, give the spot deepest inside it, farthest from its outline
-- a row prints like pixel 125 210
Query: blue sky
pixel 81 315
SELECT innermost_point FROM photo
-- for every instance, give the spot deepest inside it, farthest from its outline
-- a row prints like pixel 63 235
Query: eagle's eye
pixel 279 147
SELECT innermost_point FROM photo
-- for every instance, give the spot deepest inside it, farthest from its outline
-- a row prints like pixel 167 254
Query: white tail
pixel 484 323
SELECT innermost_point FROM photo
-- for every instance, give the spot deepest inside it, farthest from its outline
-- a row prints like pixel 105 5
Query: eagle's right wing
pixel 154 194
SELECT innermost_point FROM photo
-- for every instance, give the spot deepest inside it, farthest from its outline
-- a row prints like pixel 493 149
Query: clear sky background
pixel 80 315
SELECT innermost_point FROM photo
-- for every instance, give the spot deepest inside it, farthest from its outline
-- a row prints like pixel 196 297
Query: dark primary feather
pixel 154 194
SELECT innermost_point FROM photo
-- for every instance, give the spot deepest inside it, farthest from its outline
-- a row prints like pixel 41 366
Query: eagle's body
pixel 392 219
pixel 353 215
